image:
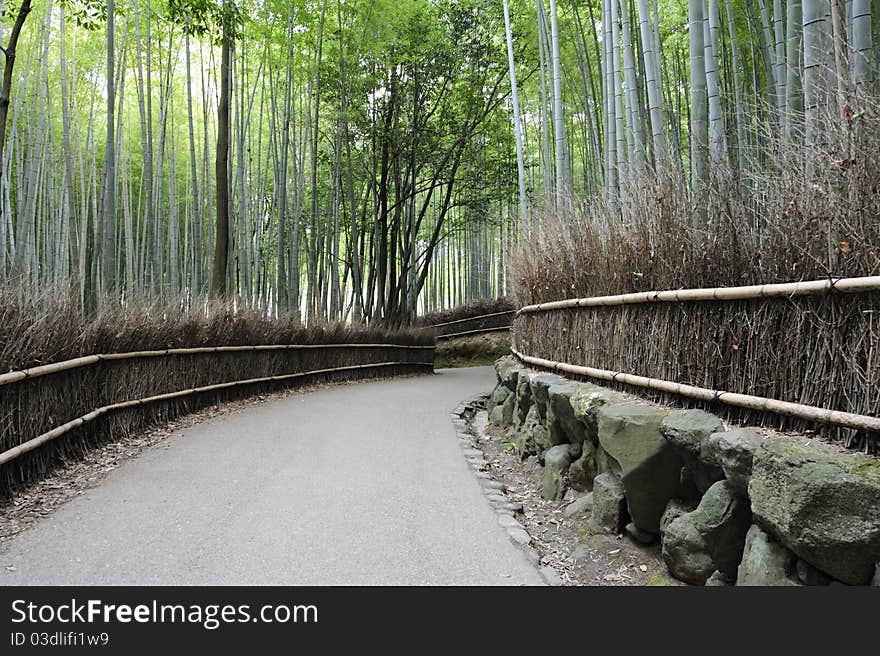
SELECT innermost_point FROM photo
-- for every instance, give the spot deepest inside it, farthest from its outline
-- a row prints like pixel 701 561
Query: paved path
pixel 361 484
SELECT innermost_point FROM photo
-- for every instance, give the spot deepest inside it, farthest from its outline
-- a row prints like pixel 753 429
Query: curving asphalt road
pixel 362 484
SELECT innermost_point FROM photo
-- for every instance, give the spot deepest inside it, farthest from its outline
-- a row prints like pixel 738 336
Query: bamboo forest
pixel 434 293
pixel 371 160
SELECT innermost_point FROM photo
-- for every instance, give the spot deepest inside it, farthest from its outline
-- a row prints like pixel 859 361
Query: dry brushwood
pixel 796 218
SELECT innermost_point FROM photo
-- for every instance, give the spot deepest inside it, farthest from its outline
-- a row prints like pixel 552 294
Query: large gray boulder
pixel 674 509
pixel 765 562
pixel 645 461
pixel 580 506
pixel 585 405
pixel 531 438
pixel 821 504
pixel 688 431
pixel 734 450
pixel 709 538
pixel 499 395
pixel 541 384
pixel 561 422
pixel 507 369
pixel 523 398
pixel 502 414
pixel 609 505
pixel 685 551
pixel 496 404
pixel 556 462
pixel 603 462
pixel 583 470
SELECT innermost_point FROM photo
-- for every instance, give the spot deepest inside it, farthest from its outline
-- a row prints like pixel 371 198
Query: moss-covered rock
pixel 556 462
pixel 499 395
pixel 563 426
pixel 709 538
pixel 531 438
pixel 507 370
pixel 821 504
pixel 585 405
pixel 735 450
pixel 502 414
pixel 609 505
pixel 523 399
pixel 645 461
pixel 541 384
pixel 688 431
pixel 583 470
pixel 766 562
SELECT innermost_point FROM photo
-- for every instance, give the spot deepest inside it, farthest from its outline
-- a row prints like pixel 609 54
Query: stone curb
pixel 493 490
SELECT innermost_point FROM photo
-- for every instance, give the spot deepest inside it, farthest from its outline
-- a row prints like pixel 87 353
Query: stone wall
pixel 728 505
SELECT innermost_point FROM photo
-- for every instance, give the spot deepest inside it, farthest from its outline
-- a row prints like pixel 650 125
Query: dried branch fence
pixel 475 325
pixel 815 343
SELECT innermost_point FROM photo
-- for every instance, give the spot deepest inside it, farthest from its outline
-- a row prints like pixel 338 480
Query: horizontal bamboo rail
pixel 46 369
pixel 472 332
pixel 474 318
pixel 788 290
pixel 808 412
pixel 30 445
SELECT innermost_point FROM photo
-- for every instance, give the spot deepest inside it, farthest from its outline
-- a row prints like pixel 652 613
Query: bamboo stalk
pixel 791 289
pixel 46 369
pixel 30 445
pixel 15 376
pixel 479 316
pixel 807 412
pixel 472 332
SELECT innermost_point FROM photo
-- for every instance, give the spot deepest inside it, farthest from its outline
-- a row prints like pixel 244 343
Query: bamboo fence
pixel 30 445
pixel 481 323
pixel 821 351
pixel 88 360
pixel 479 331
pixel 777 290
pixel 807 412
pixel 474 318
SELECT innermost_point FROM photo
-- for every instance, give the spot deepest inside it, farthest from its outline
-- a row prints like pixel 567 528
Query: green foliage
pixel 209 18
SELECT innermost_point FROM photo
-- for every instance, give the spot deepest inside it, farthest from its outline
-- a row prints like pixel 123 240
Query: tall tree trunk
pixel 699 104
pixel 654 83
pixel 8 67
pixel 862 47
pixel 634 128
pixel 221 170
pixel 562 192
pixel 517 125
pixel 794 99
pixel 816 15
pixel 108 245
pixel 779 59
pixel 840 65
pixel 197 274
pixel 738 109
pixel 717 142
pixel 545 111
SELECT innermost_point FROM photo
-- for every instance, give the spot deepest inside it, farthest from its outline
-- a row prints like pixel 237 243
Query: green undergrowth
pixel 476 351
